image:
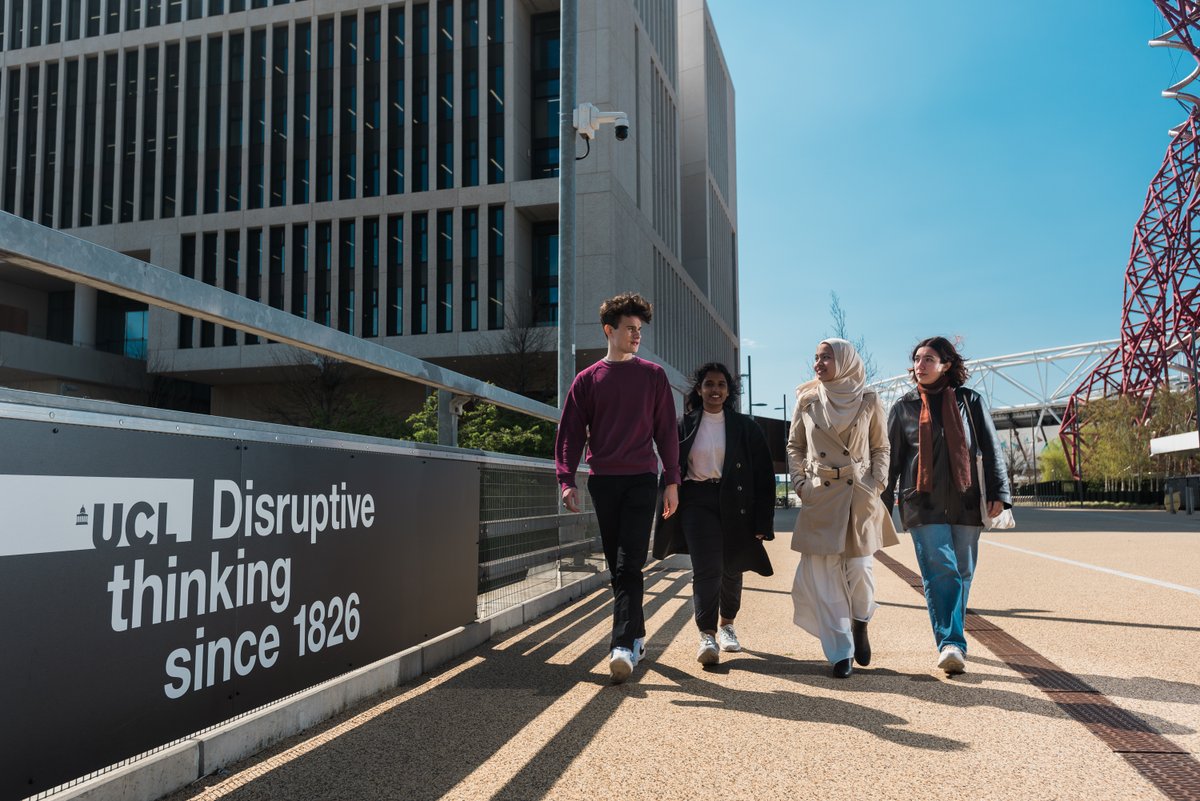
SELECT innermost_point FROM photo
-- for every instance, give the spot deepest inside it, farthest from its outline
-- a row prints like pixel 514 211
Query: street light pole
pixel 787 475
pixel 569 16
pixel 748 375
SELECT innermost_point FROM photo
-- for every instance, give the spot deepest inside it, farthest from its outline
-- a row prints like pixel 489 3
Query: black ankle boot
pixel 862 646
pixel 842 669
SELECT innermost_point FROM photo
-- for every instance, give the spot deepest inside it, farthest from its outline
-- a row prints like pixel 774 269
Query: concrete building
pixel 389 169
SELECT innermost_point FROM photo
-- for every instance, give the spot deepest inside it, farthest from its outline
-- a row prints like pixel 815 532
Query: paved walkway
pixel 1092 692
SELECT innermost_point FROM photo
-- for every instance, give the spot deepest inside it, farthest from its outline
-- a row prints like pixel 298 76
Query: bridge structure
pixel 1026 392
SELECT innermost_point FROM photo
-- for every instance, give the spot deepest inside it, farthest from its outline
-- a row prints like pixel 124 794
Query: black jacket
pixel 747 494
pixel 944 504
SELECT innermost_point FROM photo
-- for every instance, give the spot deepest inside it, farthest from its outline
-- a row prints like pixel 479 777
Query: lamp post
pixel 749 387
pixel 786 434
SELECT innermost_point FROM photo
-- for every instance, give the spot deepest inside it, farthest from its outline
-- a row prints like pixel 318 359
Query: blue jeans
pixel 947 556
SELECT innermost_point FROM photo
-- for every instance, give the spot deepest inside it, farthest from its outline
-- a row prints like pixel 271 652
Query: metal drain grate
pixel 1174 771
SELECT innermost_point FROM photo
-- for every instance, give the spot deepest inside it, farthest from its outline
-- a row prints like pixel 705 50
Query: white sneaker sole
pixel 620 670
pixel 952 663
pixel 730 648
pixel 708 656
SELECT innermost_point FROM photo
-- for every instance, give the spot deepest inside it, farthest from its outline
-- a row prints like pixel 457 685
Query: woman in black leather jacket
pixel 936 431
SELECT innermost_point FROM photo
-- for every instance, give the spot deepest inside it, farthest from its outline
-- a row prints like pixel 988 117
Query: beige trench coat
pixel 839 478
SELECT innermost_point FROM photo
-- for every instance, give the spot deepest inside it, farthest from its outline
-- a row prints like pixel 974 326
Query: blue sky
pixel 946 167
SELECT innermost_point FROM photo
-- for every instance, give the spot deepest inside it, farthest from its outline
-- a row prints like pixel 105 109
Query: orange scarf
pixel 952 430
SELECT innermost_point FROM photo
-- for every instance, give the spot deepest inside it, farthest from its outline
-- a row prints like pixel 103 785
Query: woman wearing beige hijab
pixel 838 453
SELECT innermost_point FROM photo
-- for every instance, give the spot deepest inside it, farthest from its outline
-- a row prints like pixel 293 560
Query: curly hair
pixel 957 372
pixel 627 304
pixel 694 401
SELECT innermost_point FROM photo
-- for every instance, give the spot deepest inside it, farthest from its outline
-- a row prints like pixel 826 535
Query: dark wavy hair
pixel 628 304
pixel 957 374
pixel 693 399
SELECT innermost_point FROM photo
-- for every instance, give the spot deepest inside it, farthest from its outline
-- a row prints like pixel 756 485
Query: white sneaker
pixel 727 638
pixel 639 650
pixel 620 664
pixel 709 653
pixel 952 659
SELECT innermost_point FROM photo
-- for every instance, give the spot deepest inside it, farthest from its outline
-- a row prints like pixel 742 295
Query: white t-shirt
pixel 708 451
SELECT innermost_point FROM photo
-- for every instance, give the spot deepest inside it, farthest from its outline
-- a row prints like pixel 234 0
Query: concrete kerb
pixel 178 766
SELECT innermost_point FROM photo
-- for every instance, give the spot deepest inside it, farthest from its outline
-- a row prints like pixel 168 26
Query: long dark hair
pixel 694 401
pixel 957 372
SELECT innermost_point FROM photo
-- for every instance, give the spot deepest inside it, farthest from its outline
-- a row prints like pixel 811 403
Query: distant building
pixel 385 169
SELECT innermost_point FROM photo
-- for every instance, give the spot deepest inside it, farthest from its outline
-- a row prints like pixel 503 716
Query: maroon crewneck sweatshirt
pixel 620 410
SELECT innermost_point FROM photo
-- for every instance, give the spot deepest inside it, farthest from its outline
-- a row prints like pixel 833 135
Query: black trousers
pixel 715 589
pixel 625 511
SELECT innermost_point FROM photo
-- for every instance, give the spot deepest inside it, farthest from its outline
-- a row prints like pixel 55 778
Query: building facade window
pixel 235 130
pixel 420 121
pixel 208 274
pixel 347 264
pixel 470 93
pixel 212 126
pixel 495 60
pixel 50 139
pixel 255 180
pixel 325 110
pixel 120 326
pixel 187 268
pixel 10 146
pixel 149 133
pixel 395 101
pixel 300 270
pixel 395 276
pixel 495 267
pixel 66 201
pixel 32 109
pixel 129 140
pixel 348 167
pixel 445 271
pixel 470 269
pixel 302 102
pixel 91 110
pixel 233 254
pixel 545 69
pixel 324 276
pixel 545 274
pixel 108 133
pixel 254 265
pixel 445 101
pixel 370 268
pixel 279 121
pixel 277 271
pixel 191 127
pixel 371 112
pixel 170 134
pixel 420 276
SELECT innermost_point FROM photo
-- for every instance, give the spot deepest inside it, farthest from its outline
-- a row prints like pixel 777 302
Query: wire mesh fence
pixel 525 547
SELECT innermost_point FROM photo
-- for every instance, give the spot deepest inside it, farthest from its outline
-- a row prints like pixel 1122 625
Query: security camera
pixel 587 119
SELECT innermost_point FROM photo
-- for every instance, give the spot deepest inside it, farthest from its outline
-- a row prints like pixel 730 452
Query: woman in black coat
pixel 726 506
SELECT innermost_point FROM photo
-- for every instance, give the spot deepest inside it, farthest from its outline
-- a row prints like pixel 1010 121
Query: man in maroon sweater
pixel 621 408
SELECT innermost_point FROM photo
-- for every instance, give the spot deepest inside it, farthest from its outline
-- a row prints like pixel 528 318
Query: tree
pixel 326 393
pixel 1053 463
pixel 1119 449
pixel 487 427
pixel 841 332
pixel 521 362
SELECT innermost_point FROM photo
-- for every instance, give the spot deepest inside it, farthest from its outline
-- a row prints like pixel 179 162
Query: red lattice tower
pixel 1162 282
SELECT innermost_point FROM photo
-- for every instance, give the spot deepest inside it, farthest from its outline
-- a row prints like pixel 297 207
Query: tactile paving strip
pixel 1175 772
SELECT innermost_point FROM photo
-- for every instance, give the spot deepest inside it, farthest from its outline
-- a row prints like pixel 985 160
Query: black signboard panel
pixel 152 585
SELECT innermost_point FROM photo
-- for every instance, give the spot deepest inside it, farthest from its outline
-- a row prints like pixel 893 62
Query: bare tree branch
pixel 841 332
